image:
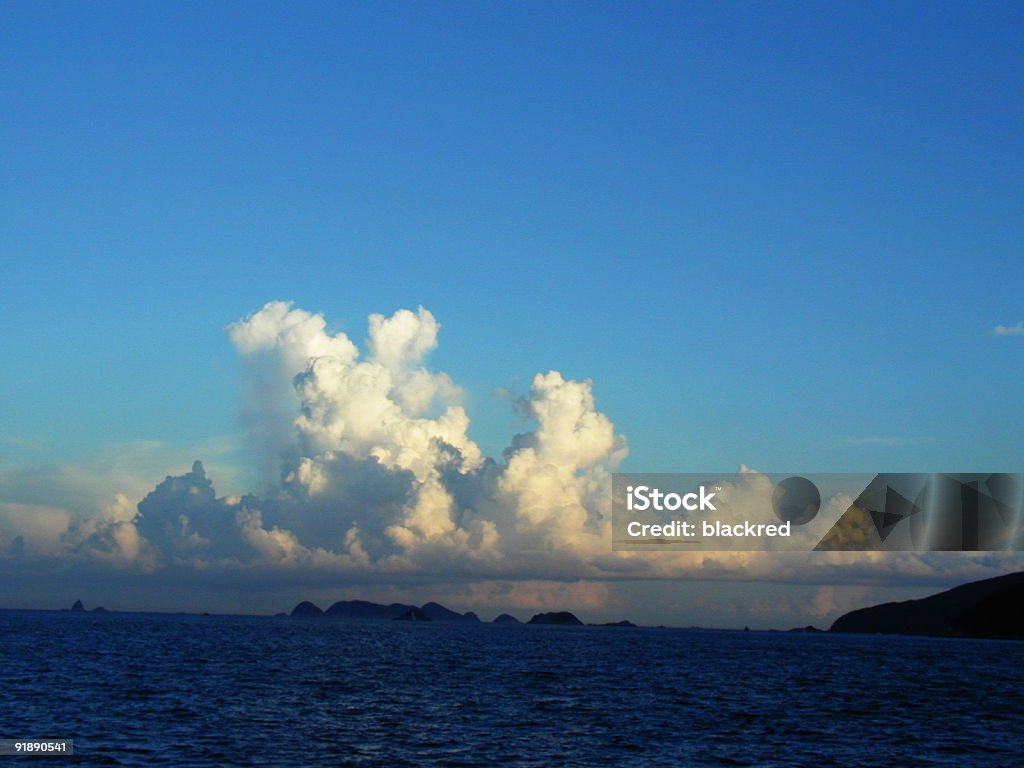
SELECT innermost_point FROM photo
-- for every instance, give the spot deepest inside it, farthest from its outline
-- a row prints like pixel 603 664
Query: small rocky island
pixel 306 608
pixel 992 608
pixel 79 607
pixel 557 617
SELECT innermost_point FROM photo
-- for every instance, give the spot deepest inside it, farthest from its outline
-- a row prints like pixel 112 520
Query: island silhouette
pixel 432 611
pixel 991 608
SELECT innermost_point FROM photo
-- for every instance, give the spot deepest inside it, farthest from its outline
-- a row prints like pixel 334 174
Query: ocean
pixel 146 689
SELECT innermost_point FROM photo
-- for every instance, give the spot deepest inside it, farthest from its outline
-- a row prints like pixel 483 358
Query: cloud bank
pixel 375 469
pixel 377 481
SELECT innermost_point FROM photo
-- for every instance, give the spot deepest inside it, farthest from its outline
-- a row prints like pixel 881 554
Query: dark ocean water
pixel 135 690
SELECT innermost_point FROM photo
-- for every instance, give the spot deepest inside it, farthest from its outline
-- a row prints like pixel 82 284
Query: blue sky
pixel 771 234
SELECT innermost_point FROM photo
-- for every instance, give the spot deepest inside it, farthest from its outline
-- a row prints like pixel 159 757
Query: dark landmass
pixel 506 618
pixel 413 614
pixel 808 628
pixel 306 608
pixel 556 617
pixel 100 609
pixel 78 606
pixel 622 623
pixel 437 612
pixel 364 609
pixel 990 608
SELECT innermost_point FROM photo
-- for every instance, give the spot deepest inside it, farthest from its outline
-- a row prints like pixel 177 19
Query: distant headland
pixel 986 609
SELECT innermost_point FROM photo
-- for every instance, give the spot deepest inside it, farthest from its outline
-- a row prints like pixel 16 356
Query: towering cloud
pixel 375 469
pixel 275 344
pixel 376 411
pixel 558 477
